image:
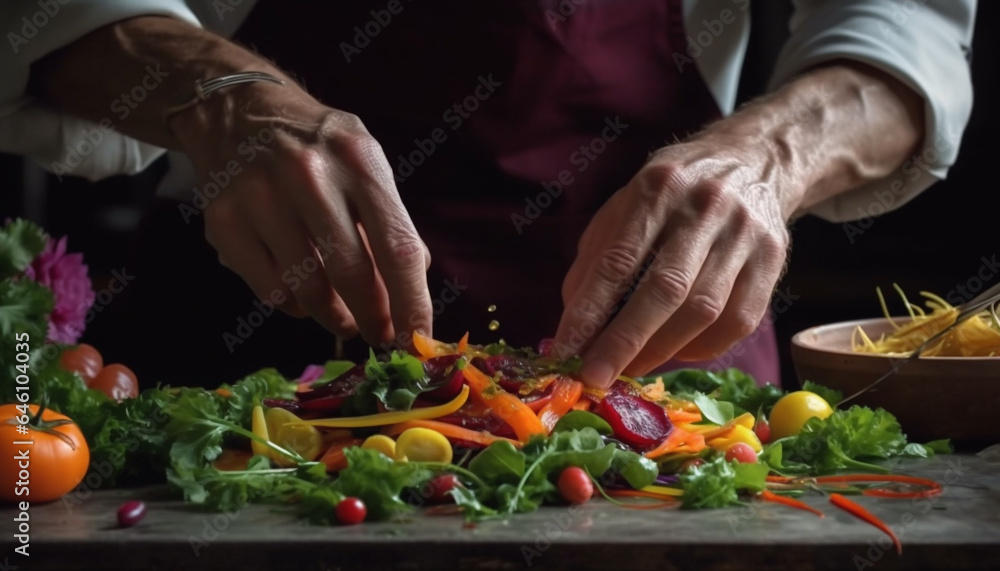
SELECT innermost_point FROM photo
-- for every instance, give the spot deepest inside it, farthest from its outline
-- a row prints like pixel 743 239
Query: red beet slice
pixel 486 422
pixel 441 373
pixel 287 404
pixel 512 371
pixel 636 421
pixel 331 396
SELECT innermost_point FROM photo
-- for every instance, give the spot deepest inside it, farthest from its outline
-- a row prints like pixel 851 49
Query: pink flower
pixel 66 275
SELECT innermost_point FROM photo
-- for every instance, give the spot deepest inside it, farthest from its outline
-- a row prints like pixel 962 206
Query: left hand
pixel 701 228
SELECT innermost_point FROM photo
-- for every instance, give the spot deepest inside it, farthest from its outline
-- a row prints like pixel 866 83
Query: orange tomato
pixel 57 459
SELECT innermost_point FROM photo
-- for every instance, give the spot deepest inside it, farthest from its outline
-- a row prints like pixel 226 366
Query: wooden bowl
pixel 933 397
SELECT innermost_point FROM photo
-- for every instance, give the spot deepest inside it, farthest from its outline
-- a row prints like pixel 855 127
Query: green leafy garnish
pixel 332 370
pixel 717 483
pixel 577 419
pixel 840 441
pixel 731 386
pixel 20 241
pixel 394 382
pixel 831 396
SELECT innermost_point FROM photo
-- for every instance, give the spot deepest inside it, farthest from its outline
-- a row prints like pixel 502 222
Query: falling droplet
pixel 494 325
pixel 491 308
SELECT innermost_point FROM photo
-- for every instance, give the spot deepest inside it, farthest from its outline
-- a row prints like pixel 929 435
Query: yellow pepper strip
pixel 258 426
pixel 663 490
pixel 384 418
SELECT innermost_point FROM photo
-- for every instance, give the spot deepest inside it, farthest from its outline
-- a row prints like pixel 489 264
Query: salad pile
pixel 485 431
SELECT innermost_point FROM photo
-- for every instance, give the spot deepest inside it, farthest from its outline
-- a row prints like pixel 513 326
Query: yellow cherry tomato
pixel 739 433
pixel 382 443
pixel 792 411
pixel 423 445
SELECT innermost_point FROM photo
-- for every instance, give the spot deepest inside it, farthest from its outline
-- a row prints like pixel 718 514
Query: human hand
pixel 701 230
pixel 310 216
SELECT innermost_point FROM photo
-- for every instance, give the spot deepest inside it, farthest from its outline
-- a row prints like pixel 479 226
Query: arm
pixel 711 238
pixel 836 138
pixel 298 180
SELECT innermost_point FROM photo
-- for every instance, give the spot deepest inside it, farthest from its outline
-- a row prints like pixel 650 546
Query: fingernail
pixel 597 373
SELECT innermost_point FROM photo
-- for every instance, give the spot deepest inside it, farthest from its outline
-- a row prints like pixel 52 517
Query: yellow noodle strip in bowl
pixel 979 336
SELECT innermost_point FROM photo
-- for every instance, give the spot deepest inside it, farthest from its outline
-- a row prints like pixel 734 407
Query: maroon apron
pixel 508 123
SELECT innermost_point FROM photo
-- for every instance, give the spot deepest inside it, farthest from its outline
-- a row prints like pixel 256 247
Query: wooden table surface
pixel 958 530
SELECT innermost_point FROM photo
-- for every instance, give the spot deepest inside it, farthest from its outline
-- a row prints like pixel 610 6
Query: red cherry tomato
pixel 84 360
pixel 117 381
pixel 763 430
pixel 351 511
pixel 575 486
pixel 441 485
pixel 690 463
pixel 741 452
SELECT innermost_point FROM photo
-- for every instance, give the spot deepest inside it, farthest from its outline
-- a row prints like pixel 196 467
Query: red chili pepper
pixel 863 514
pixel 791 502
pixel 933 488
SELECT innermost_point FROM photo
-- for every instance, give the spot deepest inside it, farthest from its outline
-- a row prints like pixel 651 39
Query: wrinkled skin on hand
pixel 312 221
pixel 700 231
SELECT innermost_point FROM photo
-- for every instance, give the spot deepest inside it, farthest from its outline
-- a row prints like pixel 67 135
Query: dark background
pixel 934 243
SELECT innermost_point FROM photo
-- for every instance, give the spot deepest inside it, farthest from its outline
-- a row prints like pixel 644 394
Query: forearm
pixel 828 132
pixel 132 71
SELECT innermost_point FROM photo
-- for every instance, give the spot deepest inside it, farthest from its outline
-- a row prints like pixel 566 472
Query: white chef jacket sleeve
pixel 62 143
pixel 924 43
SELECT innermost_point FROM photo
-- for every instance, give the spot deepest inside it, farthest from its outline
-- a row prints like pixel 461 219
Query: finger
pixel 709 299
pixel 400 255
pixel 661 291
pixel 609 268
pixel 748 306
pixel 303 271
pixel 347 263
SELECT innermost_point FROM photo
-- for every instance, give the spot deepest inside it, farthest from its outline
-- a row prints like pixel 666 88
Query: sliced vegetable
pixel 444 373
pixel 770 496
pixel 504 405
pixel 384 418
pixel 382 443
pixel 679 440
pixel 861 513
pixel 335 457
pixel 450 431
pixel 738 434
pixel 635 420
pixel 423 445
pixel 564 396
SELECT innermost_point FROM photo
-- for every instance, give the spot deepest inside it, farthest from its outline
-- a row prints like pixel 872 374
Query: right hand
pixel 311 183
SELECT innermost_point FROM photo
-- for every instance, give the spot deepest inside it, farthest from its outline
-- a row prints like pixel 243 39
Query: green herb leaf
pixel 831 396
pixel 577 419
pixel 637 470
pixel 332 370
pixel 500 462
pixel 719 412
pixel 395 383
pixel 940 446
pixel 841 440
pixel 20 241
pixel 378 481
